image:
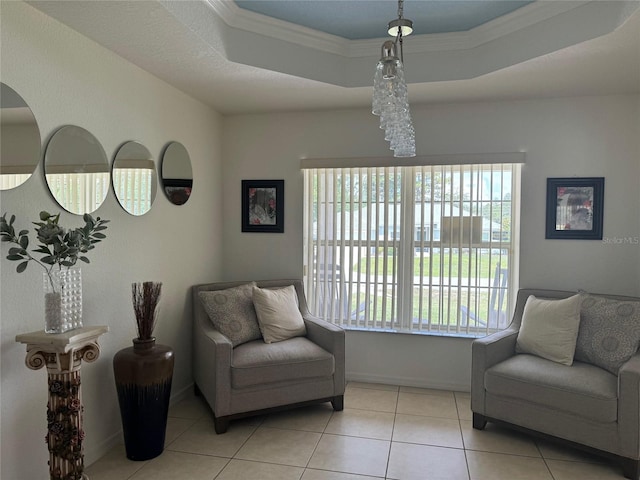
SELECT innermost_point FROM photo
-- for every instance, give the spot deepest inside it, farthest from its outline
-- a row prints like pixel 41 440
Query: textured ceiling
pixel 239 62
pixel 364 19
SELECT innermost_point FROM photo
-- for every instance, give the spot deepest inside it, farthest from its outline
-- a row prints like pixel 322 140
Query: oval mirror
pixel 76 169
pixel 134 178
pixel 20 147
pixel 177 177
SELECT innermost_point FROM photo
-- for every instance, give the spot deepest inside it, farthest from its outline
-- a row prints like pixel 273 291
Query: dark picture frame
pixel 575 208
pixel 263 206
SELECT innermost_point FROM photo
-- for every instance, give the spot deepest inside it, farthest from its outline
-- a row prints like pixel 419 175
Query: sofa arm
pixel 332 339
pixel 629 407
pixel 212 365
pixel 325 334
pixel 494 348
pixel 486 352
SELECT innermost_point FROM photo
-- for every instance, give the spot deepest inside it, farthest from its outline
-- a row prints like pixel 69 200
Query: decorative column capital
pixel 62 352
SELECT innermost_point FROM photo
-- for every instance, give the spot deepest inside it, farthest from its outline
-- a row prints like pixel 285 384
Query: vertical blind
pixel 79 192
pixel 134 188
pixel 418 249
pixel 12 180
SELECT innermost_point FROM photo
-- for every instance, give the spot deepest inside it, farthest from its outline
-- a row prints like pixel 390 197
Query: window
pixel 416 249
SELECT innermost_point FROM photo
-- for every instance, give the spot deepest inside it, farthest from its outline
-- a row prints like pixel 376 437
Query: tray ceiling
pixel 239 61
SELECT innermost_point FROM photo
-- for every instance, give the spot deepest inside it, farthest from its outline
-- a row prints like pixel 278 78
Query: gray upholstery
pixel 582 389
pixel 255 376
pixel 582 403
pixel 259 363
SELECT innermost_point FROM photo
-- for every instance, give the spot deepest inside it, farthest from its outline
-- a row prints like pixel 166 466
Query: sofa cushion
pixel 581 389
pixel 232 313
pixel 550 328
pixel 278 314
pixel 258 363
pixel 609 332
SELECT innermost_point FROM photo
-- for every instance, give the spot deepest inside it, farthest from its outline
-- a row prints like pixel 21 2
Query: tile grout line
pixel 322 434
pixel 464 445
pixel 393 428
pixel 544 460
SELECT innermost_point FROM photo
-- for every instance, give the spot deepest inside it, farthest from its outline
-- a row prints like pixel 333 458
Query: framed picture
pixel 263 206
pixel 574 208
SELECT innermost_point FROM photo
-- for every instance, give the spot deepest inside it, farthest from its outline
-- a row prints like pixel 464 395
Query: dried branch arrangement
pixel 145 296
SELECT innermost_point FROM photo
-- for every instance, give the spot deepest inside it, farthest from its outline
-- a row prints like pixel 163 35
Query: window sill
pixel 471 336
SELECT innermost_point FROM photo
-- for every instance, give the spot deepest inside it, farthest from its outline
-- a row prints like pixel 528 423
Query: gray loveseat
pixel 583 404
pixel 256 377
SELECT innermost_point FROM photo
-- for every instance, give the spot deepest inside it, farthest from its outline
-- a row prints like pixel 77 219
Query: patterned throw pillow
pixel 609 332
pixel 232 313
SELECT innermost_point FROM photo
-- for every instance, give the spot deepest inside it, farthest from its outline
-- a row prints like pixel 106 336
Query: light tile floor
pixel 385 431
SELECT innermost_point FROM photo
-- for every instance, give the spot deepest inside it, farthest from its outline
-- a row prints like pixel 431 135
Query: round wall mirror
pixel 134 178
pixel 20 147
pixel 177 177
pixel 77 170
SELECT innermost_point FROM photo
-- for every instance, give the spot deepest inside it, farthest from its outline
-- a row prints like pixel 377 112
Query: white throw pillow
pixel 549 328
pixel 278 314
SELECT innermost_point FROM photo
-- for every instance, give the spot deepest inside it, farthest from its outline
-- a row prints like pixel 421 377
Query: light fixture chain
pixel 390 100
pixel 399 36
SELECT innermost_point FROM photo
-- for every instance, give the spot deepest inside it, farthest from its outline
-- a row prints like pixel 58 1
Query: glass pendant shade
pixel 391 104
pixel 390 98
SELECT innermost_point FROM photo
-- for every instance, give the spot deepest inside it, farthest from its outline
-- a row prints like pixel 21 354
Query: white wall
pixel 68 79
pixel 591 136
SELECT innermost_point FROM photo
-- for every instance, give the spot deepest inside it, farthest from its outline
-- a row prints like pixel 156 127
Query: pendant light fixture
pixel 390 98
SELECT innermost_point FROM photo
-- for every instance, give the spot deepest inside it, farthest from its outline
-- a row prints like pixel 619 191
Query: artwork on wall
pixel 263 206
pixel 575 208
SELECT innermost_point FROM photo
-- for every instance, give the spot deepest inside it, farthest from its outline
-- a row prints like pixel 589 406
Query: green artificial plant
pixel 60 247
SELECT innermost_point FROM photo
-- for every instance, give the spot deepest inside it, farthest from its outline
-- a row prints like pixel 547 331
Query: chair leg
pixel 220 424
pixel 479 421
pixel 630 468
pixel 338 403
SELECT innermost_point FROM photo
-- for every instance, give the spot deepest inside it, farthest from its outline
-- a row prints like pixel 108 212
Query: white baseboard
pixel 407 381
pixel 96 451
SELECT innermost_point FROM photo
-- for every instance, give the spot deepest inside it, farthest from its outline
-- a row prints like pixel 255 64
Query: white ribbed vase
pixel 62 300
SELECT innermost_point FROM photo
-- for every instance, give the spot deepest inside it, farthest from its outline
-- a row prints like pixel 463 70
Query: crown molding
pixel 536 12
pixel 239 18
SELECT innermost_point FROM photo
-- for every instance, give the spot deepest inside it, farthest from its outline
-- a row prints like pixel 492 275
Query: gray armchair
pixel 583 404
pixel 256 377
